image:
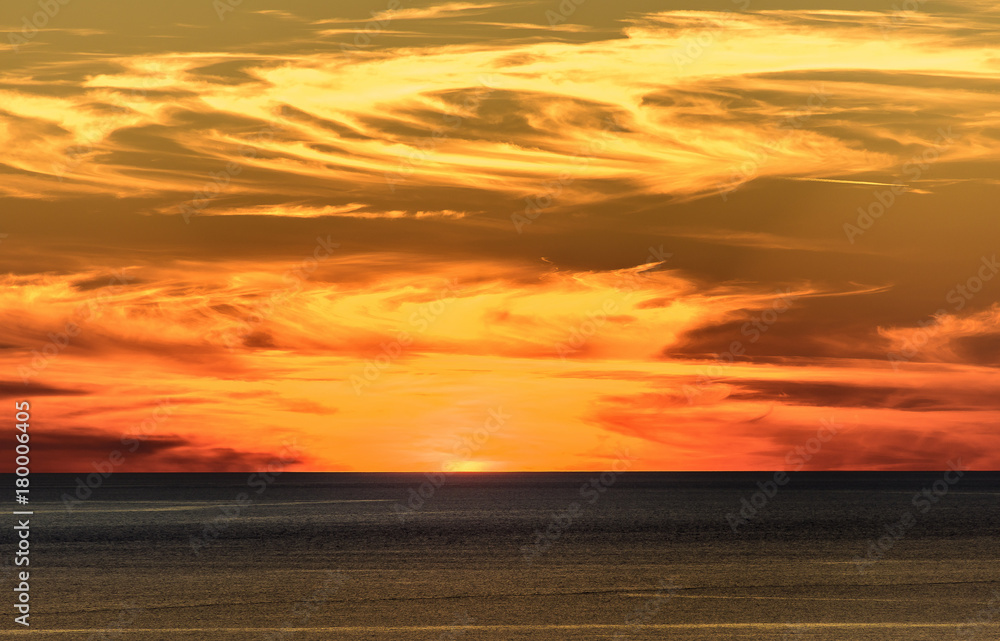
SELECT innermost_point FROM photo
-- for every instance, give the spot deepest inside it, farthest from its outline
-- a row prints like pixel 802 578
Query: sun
pixel 467 466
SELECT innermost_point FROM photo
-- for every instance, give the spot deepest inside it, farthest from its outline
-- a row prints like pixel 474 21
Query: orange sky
pixel 502 235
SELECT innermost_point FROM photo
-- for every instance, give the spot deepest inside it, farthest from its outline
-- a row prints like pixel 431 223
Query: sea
pixel 543 556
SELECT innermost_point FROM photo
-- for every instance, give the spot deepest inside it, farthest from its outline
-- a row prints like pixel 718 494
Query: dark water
pixel 519 556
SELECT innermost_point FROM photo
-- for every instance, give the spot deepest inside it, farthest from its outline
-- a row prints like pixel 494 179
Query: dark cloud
pixel 844 396
pixel 79 449
pixel 981 350
pixel 678 437
pixel 11 389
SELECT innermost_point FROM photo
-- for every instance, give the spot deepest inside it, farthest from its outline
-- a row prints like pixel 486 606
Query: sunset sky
pixel 525 235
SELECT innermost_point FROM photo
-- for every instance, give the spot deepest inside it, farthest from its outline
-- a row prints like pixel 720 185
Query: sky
pixel 501 236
